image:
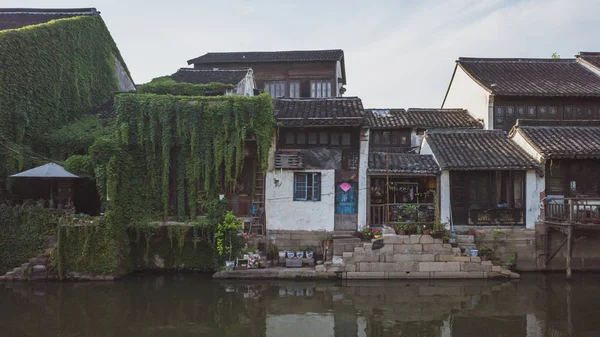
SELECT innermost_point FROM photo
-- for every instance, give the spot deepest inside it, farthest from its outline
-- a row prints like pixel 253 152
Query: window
pixel 275 88
pixel 295 89
pixel 307 186
pixel 289 138
pixel 312 138
pixel 394 138
pixel 346 138
pixel 320 89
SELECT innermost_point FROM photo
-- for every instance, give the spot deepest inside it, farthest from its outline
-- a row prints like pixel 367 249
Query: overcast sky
pixel 398 53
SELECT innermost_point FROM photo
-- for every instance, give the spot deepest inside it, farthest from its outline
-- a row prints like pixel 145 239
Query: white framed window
pixel 295 89
pixel 320 88
pixel 275 88
pixel 307 186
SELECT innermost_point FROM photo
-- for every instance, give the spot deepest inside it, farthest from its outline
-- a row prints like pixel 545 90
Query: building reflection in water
pixel 149 306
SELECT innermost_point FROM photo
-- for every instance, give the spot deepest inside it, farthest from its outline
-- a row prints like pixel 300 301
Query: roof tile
pixel 402 163
pixel 12 18
pixel 562 139
pixel 343 111
pixel 199 76
pixel 470 150
pixel 533 77
pixel 269 56
pixel 420 118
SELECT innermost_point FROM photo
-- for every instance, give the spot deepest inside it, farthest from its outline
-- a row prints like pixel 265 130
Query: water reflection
pixel 193 305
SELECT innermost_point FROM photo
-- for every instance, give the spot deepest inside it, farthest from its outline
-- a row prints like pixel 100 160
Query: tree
pixel 555 56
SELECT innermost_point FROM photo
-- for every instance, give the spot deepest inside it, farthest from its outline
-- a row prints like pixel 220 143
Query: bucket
pixel 474 252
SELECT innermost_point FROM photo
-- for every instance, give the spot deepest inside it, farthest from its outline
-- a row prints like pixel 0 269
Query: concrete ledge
pixel 274 274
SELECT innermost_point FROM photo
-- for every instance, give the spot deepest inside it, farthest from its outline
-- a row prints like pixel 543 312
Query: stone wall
pixel 586 249
pixel 291 240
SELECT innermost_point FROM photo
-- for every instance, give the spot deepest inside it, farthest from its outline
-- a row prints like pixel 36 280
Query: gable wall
pixel 465 93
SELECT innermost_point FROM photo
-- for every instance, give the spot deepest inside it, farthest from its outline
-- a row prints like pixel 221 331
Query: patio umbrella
pixel 49 171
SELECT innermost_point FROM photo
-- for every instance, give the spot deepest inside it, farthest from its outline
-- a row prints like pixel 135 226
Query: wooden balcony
pixel 381 214
pixel 572 210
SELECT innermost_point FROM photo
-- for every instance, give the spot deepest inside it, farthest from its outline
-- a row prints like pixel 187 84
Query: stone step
pixel 10 273
pixel 51 241
pixel 25 266
pixel 40 259
pixel 48 251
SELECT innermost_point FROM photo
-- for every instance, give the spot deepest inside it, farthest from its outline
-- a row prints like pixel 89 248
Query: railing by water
pixel 574 210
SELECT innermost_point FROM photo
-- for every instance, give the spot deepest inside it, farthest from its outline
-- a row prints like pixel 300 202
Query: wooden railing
pixel 496 216
pixel 393 213
pixel 575 210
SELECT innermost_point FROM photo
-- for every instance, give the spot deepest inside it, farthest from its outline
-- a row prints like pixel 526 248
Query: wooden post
pixel 387 189
pixel 547 243
pixel 569 249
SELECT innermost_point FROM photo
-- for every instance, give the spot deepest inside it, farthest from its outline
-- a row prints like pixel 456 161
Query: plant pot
pixel 290 254
pixel 470 233
pixel 401 232
pixel 309 254
pixel 426 232
pixel 282 254
pixel 377 235
pixel 300 254
pixel 262 264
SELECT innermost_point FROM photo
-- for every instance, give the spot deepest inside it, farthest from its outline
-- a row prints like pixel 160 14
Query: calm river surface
pixel 194 305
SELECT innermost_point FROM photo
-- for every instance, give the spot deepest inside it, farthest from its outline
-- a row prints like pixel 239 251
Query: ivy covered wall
pixel 23 234
pixel 50 75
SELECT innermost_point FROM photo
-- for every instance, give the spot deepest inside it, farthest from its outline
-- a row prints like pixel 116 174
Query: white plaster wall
pixel 283 213
pixel 426 149
pixel 415 139
pixel 125 82
pixel 534 186
pixel 362 179
pixel 465 93
pixel 338 75
pixel 444 193
pixel 588 66
pixel 518 138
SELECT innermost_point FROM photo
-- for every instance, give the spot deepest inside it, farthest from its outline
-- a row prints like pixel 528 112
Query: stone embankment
pixel 36 268
pixel 407 257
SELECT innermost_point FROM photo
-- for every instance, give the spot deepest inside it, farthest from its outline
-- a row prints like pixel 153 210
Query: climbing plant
pixel 167 86
pixel 24 230
pixel 51 75
pixel 166 143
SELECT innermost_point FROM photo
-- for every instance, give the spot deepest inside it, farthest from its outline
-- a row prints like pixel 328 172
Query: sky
pixel 398 54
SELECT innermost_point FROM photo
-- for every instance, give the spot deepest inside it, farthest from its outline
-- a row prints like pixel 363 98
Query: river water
pixel 194 305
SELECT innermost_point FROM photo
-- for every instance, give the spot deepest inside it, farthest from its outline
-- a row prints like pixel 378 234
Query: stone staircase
pixel 36 268
pixel 466 242
pixel 406 257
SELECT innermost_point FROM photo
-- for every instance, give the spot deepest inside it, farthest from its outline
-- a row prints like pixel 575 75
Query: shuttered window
pixel 295 89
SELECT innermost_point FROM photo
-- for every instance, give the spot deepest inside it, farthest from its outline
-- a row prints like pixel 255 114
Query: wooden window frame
pixel 312 187
pixel 278 86
pixel 398 134
pixel 320 88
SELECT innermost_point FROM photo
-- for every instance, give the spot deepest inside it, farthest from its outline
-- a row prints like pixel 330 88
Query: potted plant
pixel 411 211
pixel 308 250
pixel 282 253
pixel 484 253
pixel 290 254
pixel 425 230
pixel 366 234
pixel 401 229
pixel 274 255
pixel 299 253
pixel 376 233
pixel 223 236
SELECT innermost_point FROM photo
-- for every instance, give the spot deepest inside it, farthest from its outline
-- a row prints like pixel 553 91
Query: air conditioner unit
pixel 289 160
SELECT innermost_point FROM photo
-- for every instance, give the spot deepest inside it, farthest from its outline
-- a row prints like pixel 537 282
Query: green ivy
pixel 80 165
pixel 76 138
pixel 167 86
pixel 51 75
pixel 23 234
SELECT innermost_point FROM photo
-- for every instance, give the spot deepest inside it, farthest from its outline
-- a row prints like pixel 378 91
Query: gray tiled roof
pixel 562 139
pixel 340 111
pixel 199 76
pixel 11 18
pixel 469 150
pixel 402 163
pixel 532 77
pixel 420 118
pixel 270 56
